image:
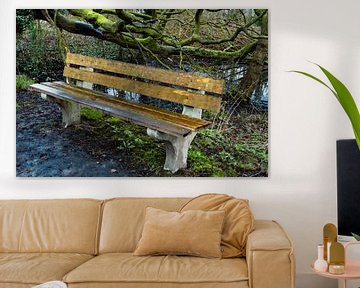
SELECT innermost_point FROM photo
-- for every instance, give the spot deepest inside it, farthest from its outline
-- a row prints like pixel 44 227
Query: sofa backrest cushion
pixel 123 220
pixel 238 224
pixel 64 226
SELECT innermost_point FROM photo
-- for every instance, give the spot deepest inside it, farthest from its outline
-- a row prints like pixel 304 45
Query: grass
pixel 23 82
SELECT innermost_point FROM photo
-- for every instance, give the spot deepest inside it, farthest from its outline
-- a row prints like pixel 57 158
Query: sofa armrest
pixel 269 255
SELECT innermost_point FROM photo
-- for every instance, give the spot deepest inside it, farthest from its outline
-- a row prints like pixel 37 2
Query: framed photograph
pixel 142 92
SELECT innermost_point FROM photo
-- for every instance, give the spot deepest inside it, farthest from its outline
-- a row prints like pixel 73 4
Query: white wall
pixel 305 121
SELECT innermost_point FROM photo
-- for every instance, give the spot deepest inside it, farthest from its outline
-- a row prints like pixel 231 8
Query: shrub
pixel 37 54
pixel 23 82
pixel 24 19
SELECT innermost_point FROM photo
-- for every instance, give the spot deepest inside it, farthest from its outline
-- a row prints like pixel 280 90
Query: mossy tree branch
pixel 151 28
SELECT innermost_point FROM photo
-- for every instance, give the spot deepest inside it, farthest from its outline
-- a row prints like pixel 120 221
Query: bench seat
pixel 141 114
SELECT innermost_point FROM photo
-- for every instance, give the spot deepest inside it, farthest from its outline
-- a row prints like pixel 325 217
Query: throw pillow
pixel 196 233
pixel 239 220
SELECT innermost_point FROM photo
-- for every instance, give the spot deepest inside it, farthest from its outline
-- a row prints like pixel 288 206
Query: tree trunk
pixel 256 66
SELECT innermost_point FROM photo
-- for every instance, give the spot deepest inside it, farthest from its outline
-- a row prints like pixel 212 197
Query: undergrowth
pixel 239 151
pixel 23 82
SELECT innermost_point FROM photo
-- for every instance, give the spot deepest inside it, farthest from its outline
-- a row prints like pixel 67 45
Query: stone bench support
pixel 177 147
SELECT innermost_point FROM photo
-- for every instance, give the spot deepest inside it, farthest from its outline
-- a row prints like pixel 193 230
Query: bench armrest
pixel 269 255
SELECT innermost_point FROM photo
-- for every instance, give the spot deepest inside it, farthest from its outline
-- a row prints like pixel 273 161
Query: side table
pixel 352 268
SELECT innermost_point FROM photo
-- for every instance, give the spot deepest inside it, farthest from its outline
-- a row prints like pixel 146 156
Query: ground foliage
pixel 239 150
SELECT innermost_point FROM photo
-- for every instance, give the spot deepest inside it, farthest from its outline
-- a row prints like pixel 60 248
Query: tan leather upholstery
pixel 269 255
pixel 15 285
pixel 49 225
pixel 242 284
pixel 123 220
pixel 193 233
pixel 73 225
pixel 126 268
pixel 36 268
pixel 239 220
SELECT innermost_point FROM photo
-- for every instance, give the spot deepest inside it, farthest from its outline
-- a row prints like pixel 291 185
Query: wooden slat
pixel 155 74
pixel 206 102
pixel 112 106
pixel 114 110
pixel 169 116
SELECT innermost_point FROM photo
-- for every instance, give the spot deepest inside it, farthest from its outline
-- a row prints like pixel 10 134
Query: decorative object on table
pixel 341 267
pixel 329 236
pixel 336 269
pixel 337 258
pixel 51 284
pixel 344 97
pixel 320 264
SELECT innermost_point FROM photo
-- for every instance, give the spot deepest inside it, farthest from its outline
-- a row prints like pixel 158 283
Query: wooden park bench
pixel 177 129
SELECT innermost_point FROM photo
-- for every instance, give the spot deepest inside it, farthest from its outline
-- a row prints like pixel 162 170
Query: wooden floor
pixel 145 115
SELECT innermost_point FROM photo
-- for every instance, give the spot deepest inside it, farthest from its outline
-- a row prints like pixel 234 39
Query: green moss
pixel 113 120
pixel 23 82
pixel 91 114
pixel 96 18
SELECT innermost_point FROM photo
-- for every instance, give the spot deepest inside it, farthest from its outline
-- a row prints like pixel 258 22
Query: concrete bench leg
pixel 176 148
pixel 70 110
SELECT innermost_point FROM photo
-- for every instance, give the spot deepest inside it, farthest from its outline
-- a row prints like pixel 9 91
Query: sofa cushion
pixel 239 220
pixel 15 285
pixel 123 220
pixel 63 226
pixel 36 268
pixel 193 232
pixel 126 268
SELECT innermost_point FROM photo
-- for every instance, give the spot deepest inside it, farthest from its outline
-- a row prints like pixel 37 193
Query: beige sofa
pixel 89 243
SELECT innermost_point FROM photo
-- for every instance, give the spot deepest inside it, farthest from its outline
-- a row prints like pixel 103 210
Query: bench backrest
pixel 153 82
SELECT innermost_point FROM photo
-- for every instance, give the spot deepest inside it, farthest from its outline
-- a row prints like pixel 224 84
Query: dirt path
pixel 45 149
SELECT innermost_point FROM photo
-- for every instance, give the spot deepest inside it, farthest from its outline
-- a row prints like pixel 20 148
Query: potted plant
pixel 345 99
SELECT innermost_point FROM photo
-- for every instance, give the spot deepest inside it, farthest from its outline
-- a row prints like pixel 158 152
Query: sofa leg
pixel 176 148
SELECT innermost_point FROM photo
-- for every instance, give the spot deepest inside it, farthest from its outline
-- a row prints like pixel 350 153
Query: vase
pixel 320 264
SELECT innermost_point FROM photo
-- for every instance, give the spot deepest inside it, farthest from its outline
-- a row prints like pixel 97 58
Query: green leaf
pixel 347 102
pixel 357 237
pixel 344 97
pixel 316 79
